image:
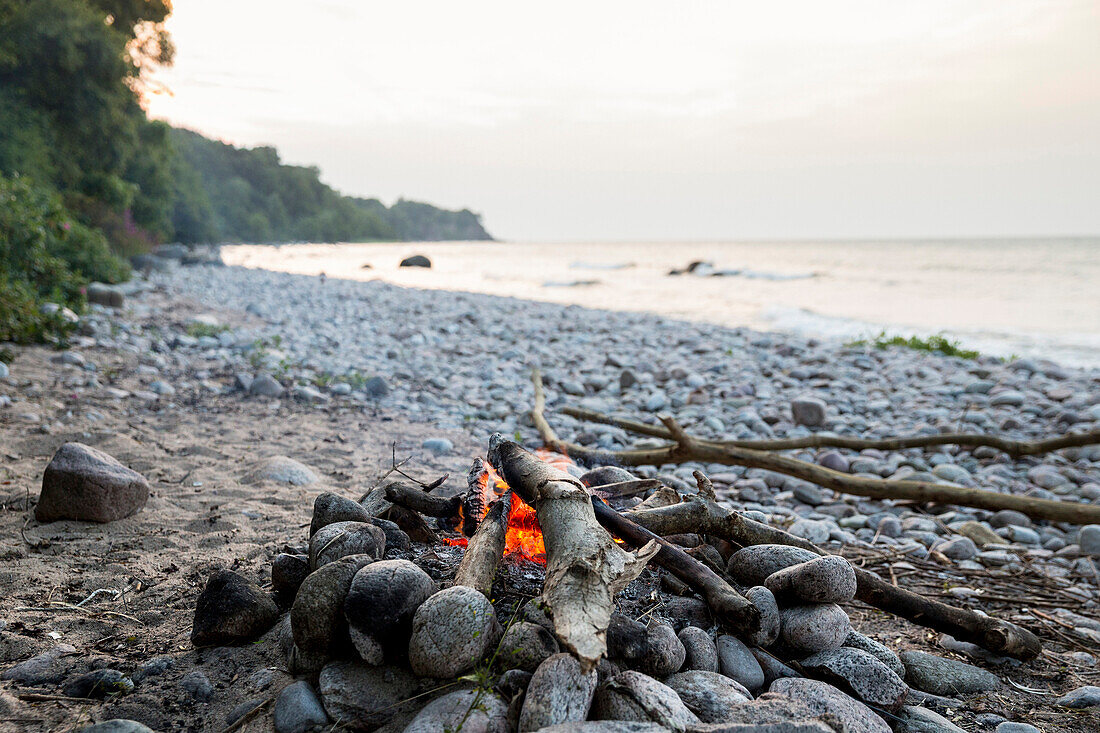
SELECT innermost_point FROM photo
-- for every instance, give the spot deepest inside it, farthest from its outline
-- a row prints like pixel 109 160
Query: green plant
pixel 933 344
pixel 199 330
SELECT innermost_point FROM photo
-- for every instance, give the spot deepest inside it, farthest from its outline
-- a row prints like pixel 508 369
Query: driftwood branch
pixel 483 552
pixel 706 517
pixel 692 449
pixel 419 500
pixel 1014 448
pixel 585 569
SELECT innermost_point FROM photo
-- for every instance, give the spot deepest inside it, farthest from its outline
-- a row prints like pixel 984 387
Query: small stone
pixel 913 719
pixel 737 662
pixel 282 470
pixel 231 609
pixel 1088 539
pixel 40 669
pixel 361 696
pixel 416 261
pixel 438 446
pixel 98 684
pixel 651 648
pixel 265 385
pixel 977 532
pixel 752 565
pixel 958 548
pixel 772 667
pixel 198 685
pixel 764 601
pixel 117 725
pixel 708 694
pixel 451 631
pixel 833 460
pixel 558 693
pixel 828 579
pixel 1011 727
pixel 1083 697
pixel 88 485
pixel 287 574
pixel 814 628
pixel 345 538
pixel 465 710
pixel 824 699
pixel 525 646
pixel 699 650
pixel 634 696
pixel 871 680
pixel 376 387
pixel 317 617
pixel 813 530
pixel 330 508
pixel 941 676
pixel 1008 398
pixel 808 411
pixel 604 475
pixel 1005 517
pixel 879 651
pixel 382 599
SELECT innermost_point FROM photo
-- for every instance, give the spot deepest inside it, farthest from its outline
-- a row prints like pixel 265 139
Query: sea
pixel 1035 298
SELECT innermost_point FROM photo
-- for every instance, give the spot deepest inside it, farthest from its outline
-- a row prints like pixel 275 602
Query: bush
pixel 45 257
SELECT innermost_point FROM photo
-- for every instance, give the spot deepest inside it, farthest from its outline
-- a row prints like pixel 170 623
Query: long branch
pixel 1015 448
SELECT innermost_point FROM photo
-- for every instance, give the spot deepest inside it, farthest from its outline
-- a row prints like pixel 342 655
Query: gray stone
pixel 752 565
pixel 1012 727
pixel 607 726
pixel 853 669
pixel 265 385
pixel 231 609
pixel 451 632
pixel 1088 539
pixel 329 508
pixel 88 485
pixel 834 461
pixel 635 696
pixel 813 530
pixel 772 667
pixel 40 669
pixel 117 725
pixel 814 628
pixel 98 684
pixel 700 651
pixel 764 601
pixel 942 676
pixel 708 694
pixel 958 548
pixel 341 539
pixel 298 709
pixel 913 719
pixel 438 446
pixel 317 618
pixel 1008 398
pixel 282 470
pixel 1083 697
pixel 198 685
pixel 361 696
pixel 824 699
pixel 376 387
pixel 525 646
pixel 808 411
pixel 382 599
pixel 879 651
pixel 103 294
pixel 465 710
pixel 828 579
pixel 558 693
pixel 650 648
pixel 1005 517
pixel 737 662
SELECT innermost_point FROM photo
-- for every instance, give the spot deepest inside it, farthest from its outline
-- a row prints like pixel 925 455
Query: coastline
pixel 455 368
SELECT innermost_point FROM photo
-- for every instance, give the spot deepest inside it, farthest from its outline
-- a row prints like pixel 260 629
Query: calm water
pixel 1035 297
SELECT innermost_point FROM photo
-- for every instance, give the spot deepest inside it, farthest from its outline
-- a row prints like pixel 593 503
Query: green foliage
pixel 933 344
pixel 45 257
pixel 419 222
pixel 199 330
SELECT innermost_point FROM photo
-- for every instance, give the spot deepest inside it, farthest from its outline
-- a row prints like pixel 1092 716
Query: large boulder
pixel 88 485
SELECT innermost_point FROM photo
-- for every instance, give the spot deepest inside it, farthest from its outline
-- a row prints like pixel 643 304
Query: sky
pixel 639 120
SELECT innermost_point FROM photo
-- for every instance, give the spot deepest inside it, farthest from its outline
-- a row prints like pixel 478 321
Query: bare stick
pixel 483 553
pixel 701 515
pixel 585 569
pixel 419 500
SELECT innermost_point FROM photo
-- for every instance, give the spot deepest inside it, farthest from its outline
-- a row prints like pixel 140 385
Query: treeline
pixel 231 194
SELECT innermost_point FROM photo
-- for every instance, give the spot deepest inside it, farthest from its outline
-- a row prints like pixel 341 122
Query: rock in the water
pixel 764 601
pixel 815 628
pixel 281 470
pixel 708 694
pixel 98 684
pixel 559 692
pixel 416 261
pixel 317 617
pixel 382 599
pixel 298 709
pixel 88 485
pixel 738 663
pixel 1083 697
pixel 451 632
pixel 808 411
pixel 879 651
pixel 828 579
pixel 361 696
pixel 941 676
pixel 341 539
pixel 752 565
pixel 853 669
pixel 650 648
pixel 330 508
pixel 699 648
pixel 824 699
pixel 231 609
pixel 525 646
pixel 632 695
pixel 465 710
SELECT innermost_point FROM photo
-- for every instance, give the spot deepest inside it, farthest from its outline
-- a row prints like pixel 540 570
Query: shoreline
pixel 157 386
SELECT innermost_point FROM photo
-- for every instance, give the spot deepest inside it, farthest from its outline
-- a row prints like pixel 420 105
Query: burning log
pixel 421 501
pixel 585 569
pixel 701 515
pixel 476 500
pixel 727 605
pixel 483 553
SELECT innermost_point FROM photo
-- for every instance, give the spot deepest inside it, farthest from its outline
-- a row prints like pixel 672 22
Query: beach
pixel 362 372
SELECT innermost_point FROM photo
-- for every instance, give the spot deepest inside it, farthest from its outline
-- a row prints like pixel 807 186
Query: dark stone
pixel 287 574
pixel 942 676
pixel 198 685
pixel 382 599
pixel 40 669
pixel 853 669
pixel 752 565
pixel 606 475
pixel 231 609
pixel 708 694
pixel 525 646
pixel 329 508
pixel 298 709
pixel 634 696
pixel 317 618
pixel 559 692
pixel 700 652
pixel 88 485
pixel 345 538
pixel 416 261
pixel 98 684
pixel 650 648
pixel 365 697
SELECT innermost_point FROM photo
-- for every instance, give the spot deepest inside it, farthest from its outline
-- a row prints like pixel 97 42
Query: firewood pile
pixel 546 597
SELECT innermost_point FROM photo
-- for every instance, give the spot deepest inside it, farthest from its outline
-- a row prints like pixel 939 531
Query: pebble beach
pixel 336 374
